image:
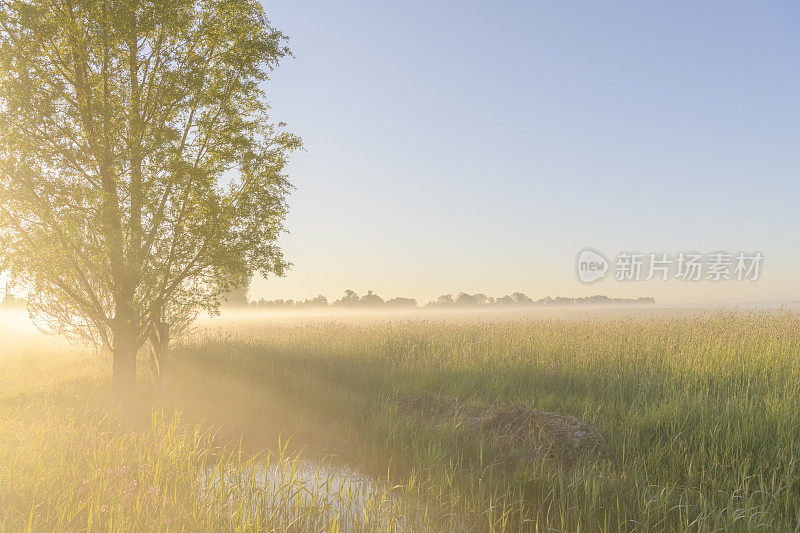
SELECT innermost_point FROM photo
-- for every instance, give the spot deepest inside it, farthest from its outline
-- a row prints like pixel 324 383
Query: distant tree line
pixel 238 299
pixel 371 300
pixel 350 299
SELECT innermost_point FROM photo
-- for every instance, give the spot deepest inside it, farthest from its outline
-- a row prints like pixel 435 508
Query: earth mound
pixel 521 430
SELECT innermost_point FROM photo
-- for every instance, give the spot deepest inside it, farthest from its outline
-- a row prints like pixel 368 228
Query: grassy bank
pixel 700 418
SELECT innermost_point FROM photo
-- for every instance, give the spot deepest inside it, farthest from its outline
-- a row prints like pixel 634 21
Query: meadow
pixel 699 414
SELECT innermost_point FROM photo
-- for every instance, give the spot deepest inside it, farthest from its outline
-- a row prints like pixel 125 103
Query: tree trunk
pixel 124 367
pixel 159 354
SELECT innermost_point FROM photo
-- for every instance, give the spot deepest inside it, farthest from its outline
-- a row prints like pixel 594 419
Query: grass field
pixel 699 415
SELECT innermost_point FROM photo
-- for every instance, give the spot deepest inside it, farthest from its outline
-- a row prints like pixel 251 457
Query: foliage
pixel 140 175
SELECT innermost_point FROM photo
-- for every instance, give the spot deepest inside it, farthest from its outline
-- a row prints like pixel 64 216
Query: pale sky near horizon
pixel 478 147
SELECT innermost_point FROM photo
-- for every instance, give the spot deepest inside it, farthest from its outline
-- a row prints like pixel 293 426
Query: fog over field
pixel 281 266
pixel 567 312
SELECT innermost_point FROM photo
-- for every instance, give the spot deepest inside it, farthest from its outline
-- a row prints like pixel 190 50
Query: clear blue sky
pixel 479 146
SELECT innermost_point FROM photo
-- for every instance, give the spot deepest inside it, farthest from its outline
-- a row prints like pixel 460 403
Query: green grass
pixel 700 417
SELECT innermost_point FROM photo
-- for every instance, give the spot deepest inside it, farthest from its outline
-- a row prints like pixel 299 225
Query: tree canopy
pixel 140 173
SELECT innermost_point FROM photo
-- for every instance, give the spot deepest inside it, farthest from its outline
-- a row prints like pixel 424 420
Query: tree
pixel 317 301
pixel 443 300
pixel 521 299
pixel 505 301
pixel 401 302
pixel 371 300
pixel 236 297
pixel 140 174
pixel 350 298
pixel 468 300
